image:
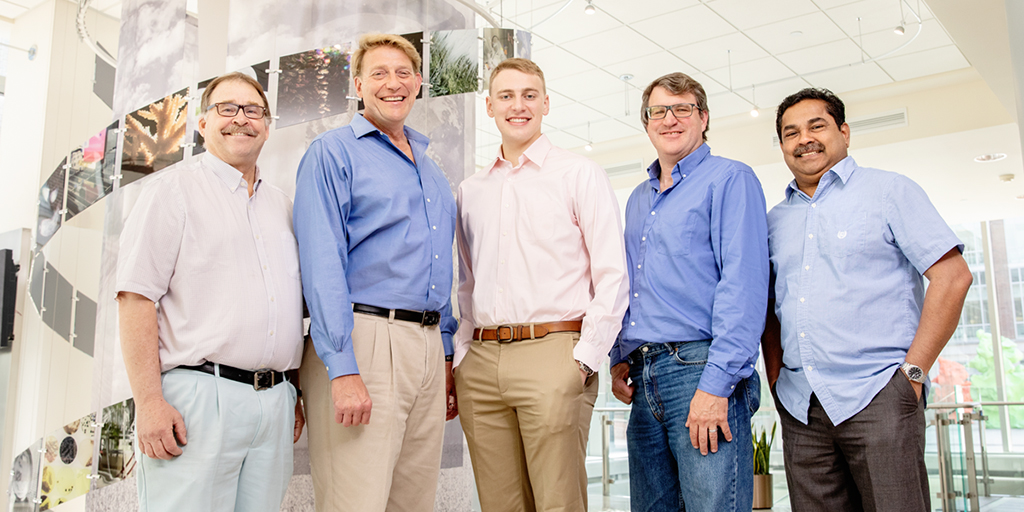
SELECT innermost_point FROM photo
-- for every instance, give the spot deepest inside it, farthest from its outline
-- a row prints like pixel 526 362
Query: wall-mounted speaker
pixel 9 289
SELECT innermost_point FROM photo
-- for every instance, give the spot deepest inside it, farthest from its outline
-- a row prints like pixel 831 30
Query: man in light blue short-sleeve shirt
pixel 856 329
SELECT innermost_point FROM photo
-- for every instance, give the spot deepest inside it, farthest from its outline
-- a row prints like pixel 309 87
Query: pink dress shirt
pixel 542 242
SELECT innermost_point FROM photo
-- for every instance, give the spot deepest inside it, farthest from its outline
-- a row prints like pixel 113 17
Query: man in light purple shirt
pixel 212 245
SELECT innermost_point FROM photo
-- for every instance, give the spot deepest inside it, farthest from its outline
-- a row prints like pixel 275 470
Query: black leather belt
pixel 260 379
pixel 426 318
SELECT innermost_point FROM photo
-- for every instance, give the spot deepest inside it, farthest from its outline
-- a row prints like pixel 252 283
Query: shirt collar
pixel 418 141
pixel 842 170
pixel 229 175
pixel 536 153
pixel 688 165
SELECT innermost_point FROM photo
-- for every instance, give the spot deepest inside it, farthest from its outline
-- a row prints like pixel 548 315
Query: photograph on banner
pixel 108 166
pixel 524 44
pixel 84 328
pixel 35 285
pixel 454 68
pixel 67 462
pixel 51 201
pixel 117 444
pixel 153 137
pixel 313 85
pixel 499 43
pixel 24 487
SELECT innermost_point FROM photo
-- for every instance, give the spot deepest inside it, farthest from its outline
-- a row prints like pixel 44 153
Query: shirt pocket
pixel 842 235
pixel 674 238
pixel 288 253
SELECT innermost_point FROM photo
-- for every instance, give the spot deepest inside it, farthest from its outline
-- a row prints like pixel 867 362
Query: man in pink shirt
pixel 542 293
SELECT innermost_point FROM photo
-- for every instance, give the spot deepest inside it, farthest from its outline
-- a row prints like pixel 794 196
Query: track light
pixel 588 147
pixel 899 30
pixel 754 112
pixel 590 9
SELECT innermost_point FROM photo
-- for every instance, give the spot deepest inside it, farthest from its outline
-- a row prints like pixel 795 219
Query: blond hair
pixel 522 65
pixel 376 40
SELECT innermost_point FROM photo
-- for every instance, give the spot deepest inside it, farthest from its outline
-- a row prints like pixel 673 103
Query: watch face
pixel 915 373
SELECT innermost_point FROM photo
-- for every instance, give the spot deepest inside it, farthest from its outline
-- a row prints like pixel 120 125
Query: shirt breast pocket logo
pixel 842 237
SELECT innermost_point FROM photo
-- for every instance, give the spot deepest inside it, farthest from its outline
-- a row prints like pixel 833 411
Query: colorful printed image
pixel 313 85
pixel 153 137
pixel 524 44
pixel 499 43
pixel 453 64
pixel 86 183
pixel 24 487
pixel 117 444
pixel 67 462
pixel 51 202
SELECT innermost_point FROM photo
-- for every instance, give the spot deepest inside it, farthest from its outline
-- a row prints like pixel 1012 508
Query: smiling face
pixel 235 140
pixel 675 138
pixel 388 85
pixel 518 103
pixel 811 142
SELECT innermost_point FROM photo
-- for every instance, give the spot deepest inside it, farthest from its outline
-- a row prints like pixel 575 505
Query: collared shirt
pixel 223 267
pixel 541 241
pixel 698 265
pixel 374 228
pixel 846 266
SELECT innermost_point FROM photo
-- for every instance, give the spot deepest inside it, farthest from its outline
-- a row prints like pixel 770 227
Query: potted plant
pixel 762 473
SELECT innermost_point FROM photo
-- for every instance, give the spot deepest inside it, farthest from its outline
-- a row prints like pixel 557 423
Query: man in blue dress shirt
pixel 853 331
pixel 697 254
pixel 375 219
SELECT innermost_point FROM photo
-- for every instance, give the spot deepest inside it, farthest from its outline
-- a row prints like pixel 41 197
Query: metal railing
pixel 606 424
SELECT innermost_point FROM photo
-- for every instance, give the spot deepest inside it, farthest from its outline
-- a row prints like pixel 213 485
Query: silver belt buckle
pixel 263 379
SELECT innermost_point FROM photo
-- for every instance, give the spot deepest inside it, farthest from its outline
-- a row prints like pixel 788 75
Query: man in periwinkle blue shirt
pixel 697 254
pixel 853 331
pixel 375 220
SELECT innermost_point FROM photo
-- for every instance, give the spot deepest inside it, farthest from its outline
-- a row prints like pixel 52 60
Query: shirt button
pixel 502 262
pixel 732 387
pixel 257 237
pixel 810 368
pixel 684 175
pixel 803 335
pixel 814 205
pixel 271 333
pixel 807 267
pixel 638 266
pixel 428 199
pixel 634 323
pixel 501 290
pixel 652 213
pixel 264 267
pixel 643 239
pixel 801 299
pixel 435 227
pixel 271 299
pixel 431 287
pixel 810 236
pixel 636 294
pixel 436 256
pixel 503 233
pixel 506 206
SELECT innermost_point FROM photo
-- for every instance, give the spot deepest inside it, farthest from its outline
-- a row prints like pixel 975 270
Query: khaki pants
pixel 391 464
pixel 526 416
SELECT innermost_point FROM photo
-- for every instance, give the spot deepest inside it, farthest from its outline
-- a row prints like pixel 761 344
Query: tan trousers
pixel 391 464
pixel 526 416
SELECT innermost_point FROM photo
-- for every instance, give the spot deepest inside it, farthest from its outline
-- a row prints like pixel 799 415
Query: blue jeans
pixel 666 473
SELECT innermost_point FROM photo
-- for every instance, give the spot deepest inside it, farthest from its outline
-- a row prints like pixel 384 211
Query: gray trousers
pixel 873 461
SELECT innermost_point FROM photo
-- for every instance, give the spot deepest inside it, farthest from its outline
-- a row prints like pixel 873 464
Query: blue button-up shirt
pixel 373 228
pixel 846 266
pixel 697 255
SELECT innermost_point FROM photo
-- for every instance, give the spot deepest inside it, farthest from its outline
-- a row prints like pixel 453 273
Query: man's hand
pixel 450 399
pixel 708 413
pixel 300 420
pixel 620 383
pixel 351 400
pixel 160 428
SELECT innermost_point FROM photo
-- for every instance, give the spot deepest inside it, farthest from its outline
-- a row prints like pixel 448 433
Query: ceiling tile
pixel 636 10
pixel 746 14
pixel 825 56
pixel 698 23
pixel 586 85
pixel 620 105
pixel 932 36
pixel 612 46
pixel 754 72
pixel 928 62
pixel 558 63
pixel 564 139
pixel 768 96
pixel 850 78
pixel 9 10
pixel 718 52
pixel 610 129
pixel 725 105
pixel 646 69
pixel 814 29
pixel 874 15
pixel 562 115
pixel 710 85
pixel 571 24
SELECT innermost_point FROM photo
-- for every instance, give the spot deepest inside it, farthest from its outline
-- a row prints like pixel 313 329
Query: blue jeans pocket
pixel 753 390
pixel 691 353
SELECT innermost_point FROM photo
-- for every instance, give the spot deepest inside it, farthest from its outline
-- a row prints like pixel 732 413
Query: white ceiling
pixel 13 8
pixel 745 53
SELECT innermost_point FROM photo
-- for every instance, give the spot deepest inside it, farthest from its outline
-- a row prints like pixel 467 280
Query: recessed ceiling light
pixel 991 157
pixel 1006 178
pixel 796 33
pixel 1021 197
pixel 625 77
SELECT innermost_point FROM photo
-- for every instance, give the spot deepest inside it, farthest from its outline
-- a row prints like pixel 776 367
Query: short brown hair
pixel 676 84
pixel 375 40
pixel 235 77
pixel 522 65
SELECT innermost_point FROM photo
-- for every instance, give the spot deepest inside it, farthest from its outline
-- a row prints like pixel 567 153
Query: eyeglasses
pixel 680 110
pixel 231 110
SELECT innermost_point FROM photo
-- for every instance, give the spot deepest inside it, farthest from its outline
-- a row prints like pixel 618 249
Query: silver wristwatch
pixel 913 372
pixel 586 369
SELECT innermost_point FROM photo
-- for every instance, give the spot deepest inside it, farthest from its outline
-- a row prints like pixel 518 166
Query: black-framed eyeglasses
pixel 231 110
pixel 680 110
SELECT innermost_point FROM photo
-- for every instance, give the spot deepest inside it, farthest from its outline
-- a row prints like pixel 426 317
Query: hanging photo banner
pixel 51 202
pixel 67 462
pixel 24 487
pixel 453 62
pixel 313 85
pixel 117 444
pixel 499 44
pixel 153 137
pixel 524 44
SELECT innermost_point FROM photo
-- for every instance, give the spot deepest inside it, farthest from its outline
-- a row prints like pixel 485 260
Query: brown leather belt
pixel 510 333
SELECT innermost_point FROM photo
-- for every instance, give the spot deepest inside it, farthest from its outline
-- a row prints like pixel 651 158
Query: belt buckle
pixel 511 334
pixel 263 379
pixel 430 318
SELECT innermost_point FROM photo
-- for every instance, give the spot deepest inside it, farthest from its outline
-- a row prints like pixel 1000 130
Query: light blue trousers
pixel 239 451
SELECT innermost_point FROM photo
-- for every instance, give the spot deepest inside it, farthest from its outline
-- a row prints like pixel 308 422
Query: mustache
pixel 243 129
pixel 808 148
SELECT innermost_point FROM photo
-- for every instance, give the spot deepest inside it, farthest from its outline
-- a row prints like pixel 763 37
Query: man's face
pixel 517 103
pixel 811 142
pixel 672 137
pixel 235 140
pixel 388 86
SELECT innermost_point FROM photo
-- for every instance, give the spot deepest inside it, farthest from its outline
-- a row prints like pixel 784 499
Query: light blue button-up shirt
pixel 373 228
pixel 697 257
pixel 846 268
